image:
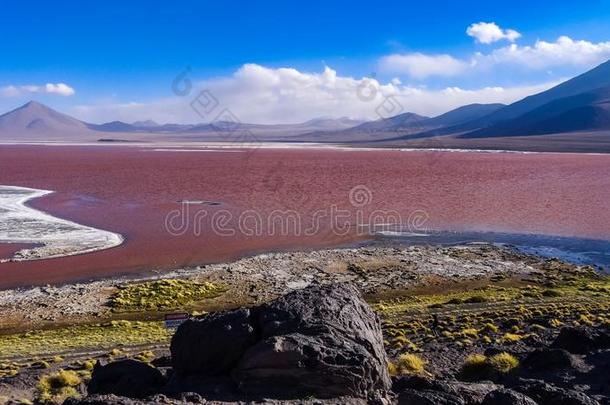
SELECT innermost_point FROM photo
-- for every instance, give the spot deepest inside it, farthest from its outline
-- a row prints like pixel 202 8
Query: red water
pixel 131 191
pixel 8 249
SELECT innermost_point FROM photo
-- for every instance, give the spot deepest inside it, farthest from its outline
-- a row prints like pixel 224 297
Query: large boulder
pixel 581 340
pixel 323 341
pixel 213 344
pixel 128 378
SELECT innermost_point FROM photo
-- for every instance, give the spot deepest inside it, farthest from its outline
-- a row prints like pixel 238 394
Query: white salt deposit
pixel 53 237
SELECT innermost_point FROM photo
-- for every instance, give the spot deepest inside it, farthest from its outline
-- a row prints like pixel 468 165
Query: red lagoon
pixel 141 193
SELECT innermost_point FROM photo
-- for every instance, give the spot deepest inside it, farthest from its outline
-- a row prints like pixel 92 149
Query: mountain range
pixel 578 106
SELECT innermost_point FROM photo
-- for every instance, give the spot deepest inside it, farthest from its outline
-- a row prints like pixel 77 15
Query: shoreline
pixel 217 146
pixel 531 244
pixel 259 278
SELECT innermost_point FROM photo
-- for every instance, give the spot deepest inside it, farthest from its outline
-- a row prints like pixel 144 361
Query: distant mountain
pixel 275 130
pixel 592 80
pixel 328 123
pixel 37 121
pixel 587 111
pixel 403 122
pixel 580 105
pixel 145 124
pixel 587 118
pixel 404 125
pixel 463 114
pixel 219 127
pixel 120 126
pixel 114 126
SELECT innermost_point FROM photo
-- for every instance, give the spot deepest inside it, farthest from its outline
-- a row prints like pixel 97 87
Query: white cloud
pixel 563 52
pixel 60 89
pixel 487 33
pixel 257 94
pixel 421 66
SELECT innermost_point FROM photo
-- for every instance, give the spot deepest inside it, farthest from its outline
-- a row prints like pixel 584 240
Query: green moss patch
pixel 163 295
pixel 83 337
pixel 494 314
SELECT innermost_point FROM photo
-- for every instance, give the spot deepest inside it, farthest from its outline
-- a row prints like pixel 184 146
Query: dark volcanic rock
pixel 507 397
pixel 419 383
pixel 421 390
pixel 218 387
pixel 101 400
pixel 186 399
pixel 129 378
pixel 212 345
pixel 414 397
pixel 549 359
pixel 598 377
pixel 581 340
pixel 442 391
pixel 323 341
pixel 547 394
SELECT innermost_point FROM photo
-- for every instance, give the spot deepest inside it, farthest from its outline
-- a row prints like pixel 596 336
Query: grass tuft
pixel 475 364
pixel 58 386
pixel 503 362
pixel 409 364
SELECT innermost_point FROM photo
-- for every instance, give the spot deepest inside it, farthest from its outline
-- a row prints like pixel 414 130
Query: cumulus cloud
pixel 542 55
pixel 565 51
pixel 258 94
pixel 60 89
pixel 421 66
pixel 487 33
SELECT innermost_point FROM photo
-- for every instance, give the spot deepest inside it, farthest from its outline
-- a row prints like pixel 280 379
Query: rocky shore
pixel 472 324
pixel 375 270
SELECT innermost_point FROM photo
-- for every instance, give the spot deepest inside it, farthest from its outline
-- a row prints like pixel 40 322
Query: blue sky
pixel 120 58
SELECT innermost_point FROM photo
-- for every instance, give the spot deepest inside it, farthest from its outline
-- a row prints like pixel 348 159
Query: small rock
pixel 581 340
pixel 414 397
pixel 128 378
pixel 101 400
pixel 548 394
pixel 549 359
pixel 505 396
